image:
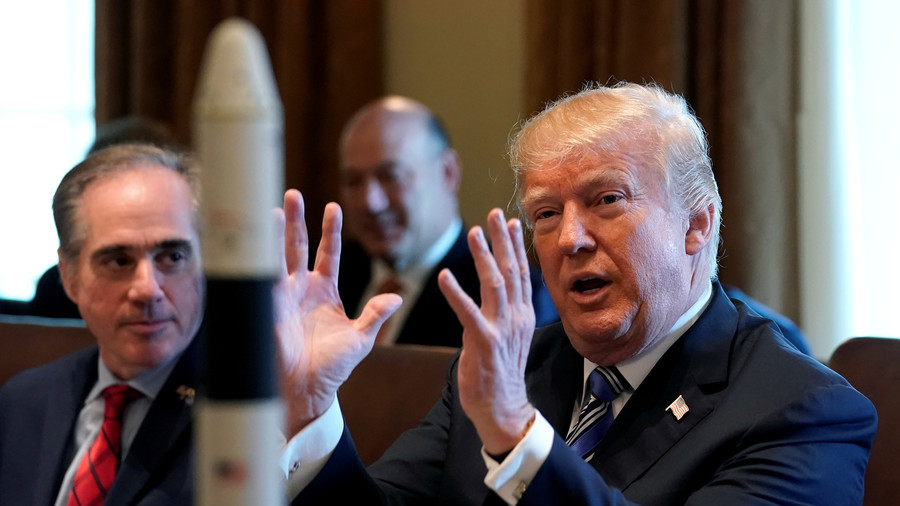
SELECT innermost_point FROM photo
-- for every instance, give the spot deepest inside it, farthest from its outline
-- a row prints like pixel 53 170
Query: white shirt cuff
pixel 510 478
pixel 308 451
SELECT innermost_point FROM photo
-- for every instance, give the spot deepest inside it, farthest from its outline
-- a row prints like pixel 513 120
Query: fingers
pixel 278 215
pixel 489 277
pixel 518 239
pixel 502 273
pixel 506 259
pixel 467 312
pixel 504 276
pixel 328 256
pixel 296 238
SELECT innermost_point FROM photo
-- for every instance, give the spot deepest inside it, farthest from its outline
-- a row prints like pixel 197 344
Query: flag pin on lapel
pixel 678 408
pixel 186 394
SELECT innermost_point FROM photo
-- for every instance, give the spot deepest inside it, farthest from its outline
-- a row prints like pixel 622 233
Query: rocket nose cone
pixel 236 75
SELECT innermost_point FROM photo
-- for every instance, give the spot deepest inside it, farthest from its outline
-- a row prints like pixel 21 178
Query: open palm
pixel 319 346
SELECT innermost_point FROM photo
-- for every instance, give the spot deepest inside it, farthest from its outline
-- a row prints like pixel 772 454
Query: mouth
pixel 382 219
pixel 147 326
pixel 382 230
pixel 589 285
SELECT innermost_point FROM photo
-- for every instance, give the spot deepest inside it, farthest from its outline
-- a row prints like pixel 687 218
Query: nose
pixel 574 233
pixel 376 198
pixel 145 284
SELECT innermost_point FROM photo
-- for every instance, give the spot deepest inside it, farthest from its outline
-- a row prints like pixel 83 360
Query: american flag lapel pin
pixel 186 394
pixel 678 408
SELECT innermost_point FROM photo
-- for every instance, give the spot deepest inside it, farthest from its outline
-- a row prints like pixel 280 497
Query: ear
pixel 451 169
pixel 699 232
pixel 67 275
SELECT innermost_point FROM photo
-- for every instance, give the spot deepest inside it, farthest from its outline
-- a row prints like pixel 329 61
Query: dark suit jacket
pixel 431 320
pixel 788 328
pixel 38 412
pixel 766 424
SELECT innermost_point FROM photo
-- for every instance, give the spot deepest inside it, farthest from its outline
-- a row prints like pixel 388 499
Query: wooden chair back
pixel 872 366
pixel 390 391
pixel 28 341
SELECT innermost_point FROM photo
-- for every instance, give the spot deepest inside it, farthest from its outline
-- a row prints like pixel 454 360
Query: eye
pixel 544 219
pixel 352 181
pixel 610 198
pixel 113 263
pixel 118 261
pixel 172 259
pixel 389 176
pixel 393 177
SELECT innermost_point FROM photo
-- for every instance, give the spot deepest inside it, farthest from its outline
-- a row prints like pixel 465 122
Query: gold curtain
pixel 326 57
pixel 735 63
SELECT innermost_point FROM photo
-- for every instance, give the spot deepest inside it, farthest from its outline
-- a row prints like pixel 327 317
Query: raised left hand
pixel 496 336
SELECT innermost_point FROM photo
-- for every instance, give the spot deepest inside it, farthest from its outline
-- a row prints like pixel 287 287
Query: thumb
pixel 376 311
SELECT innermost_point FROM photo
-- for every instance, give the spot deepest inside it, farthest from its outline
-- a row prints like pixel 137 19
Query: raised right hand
pixel 319 346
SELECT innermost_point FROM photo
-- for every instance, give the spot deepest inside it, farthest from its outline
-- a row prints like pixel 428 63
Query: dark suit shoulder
pixel 38 409
pixel 788 328
pixel 783 387
pixel 782 405
pixel 757 414
pixel 759 344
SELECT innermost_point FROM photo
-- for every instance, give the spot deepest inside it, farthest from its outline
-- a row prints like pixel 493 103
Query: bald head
pixel 399 179
pixel 397 117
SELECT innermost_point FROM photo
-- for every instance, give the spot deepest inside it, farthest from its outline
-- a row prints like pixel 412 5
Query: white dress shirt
pixel 90 418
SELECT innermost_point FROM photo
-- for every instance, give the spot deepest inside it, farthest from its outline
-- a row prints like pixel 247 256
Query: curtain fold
pixel 326 57
pixel 735 63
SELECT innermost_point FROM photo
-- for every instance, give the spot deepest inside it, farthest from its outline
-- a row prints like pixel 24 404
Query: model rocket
pixel 237 132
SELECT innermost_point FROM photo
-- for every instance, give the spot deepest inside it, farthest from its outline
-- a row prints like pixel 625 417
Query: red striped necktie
pixel 98 467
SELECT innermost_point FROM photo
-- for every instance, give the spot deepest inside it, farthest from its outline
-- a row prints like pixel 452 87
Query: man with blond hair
pixel 655 388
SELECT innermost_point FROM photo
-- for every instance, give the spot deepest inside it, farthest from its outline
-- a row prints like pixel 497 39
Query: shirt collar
pixel 416 272
pixel 148 383
pixel 636 368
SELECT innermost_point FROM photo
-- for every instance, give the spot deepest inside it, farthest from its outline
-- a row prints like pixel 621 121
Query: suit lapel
pixel 647 431
pixel 167 422
pixel 64 401
pixel 696 368
pixel 555 380
pixel 356 272
pixel 431 306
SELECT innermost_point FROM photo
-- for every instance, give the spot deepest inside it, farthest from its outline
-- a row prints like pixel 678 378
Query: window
pixel 46 126
pixel 850 179
pixel 873 165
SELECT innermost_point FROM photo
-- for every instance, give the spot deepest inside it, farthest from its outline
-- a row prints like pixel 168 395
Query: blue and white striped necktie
pixel 606 383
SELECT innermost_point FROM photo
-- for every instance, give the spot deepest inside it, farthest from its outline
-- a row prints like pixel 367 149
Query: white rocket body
pixel 238 130
pixel 238 139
